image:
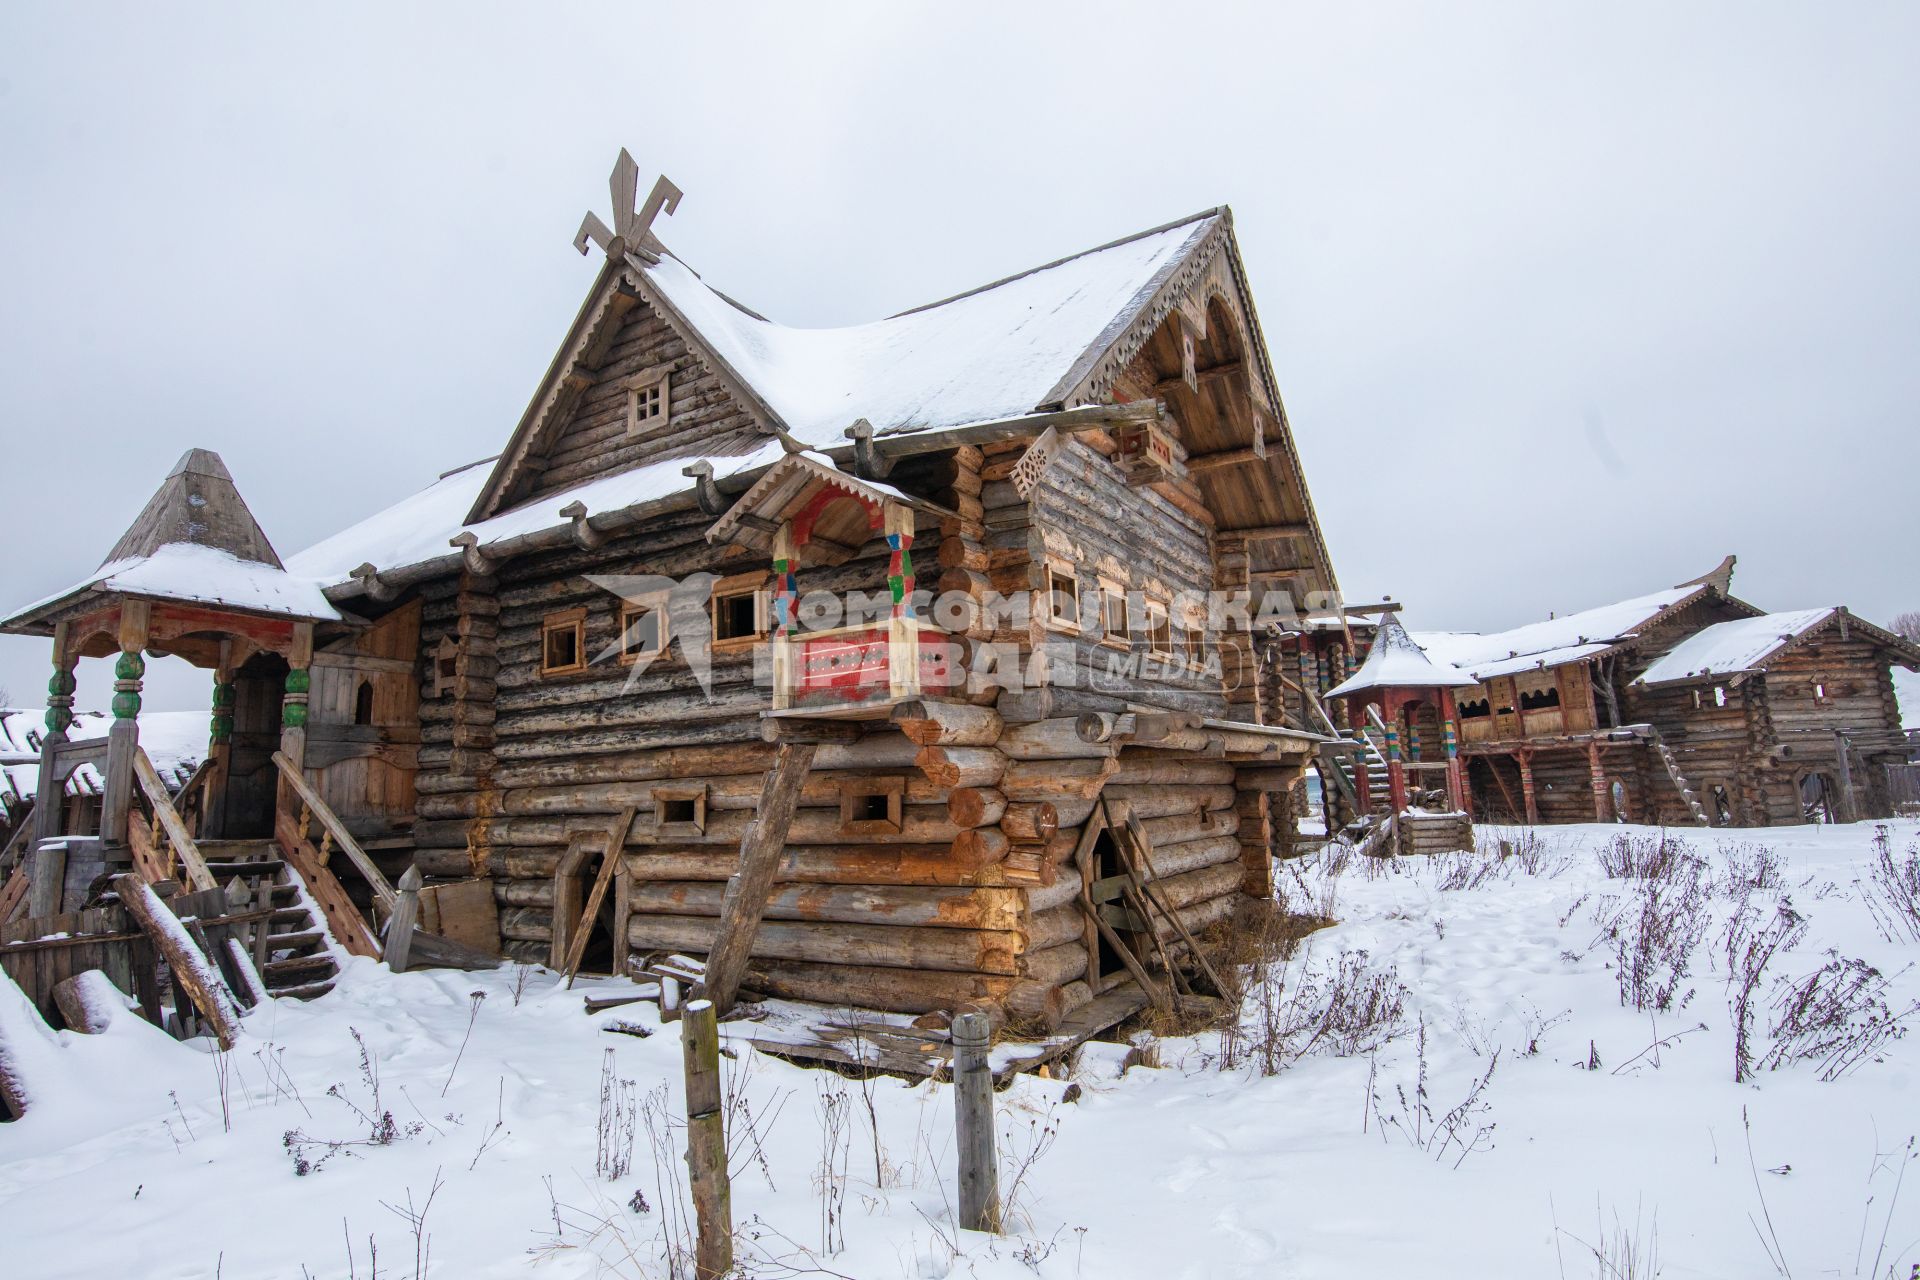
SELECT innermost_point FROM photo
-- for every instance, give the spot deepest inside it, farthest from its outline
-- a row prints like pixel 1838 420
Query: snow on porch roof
pixel 1396 662
pixel 1732 648
pixel 998 352
pixel 195 541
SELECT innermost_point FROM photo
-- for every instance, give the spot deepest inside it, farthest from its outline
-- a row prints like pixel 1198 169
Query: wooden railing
pixel 162 844
pixel 191 799
pixel 292 830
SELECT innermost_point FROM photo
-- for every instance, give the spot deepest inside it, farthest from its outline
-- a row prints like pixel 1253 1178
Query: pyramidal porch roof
pixel 195 542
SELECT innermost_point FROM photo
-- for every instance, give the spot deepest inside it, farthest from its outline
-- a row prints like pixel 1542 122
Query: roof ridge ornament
pixel 632 232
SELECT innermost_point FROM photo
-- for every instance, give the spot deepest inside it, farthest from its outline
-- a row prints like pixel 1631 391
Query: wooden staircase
pixel 1667 758
pixel 296 956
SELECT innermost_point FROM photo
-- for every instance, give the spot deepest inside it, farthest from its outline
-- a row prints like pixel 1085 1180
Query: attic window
pixel 871 806
pixel 740 608
pixel 647 399
pixel 681 810
pixel 363 703
pixel 643 628
pixel 1063 599
pixel 563 643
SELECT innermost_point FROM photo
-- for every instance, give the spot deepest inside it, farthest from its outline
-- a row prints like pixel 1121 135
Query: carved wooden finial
pixel 632 232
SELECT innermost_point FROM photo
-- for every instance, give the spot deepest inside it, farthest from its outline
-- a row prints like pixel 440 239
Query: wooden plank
pixel 296 778
pixel 344 921
pixel 760 848
pixel 192 973
pixel 616 840
pixel 399 935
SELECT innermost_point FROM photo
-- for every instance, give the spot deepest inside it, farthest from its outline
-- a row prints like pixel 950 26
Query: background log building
pixel 1682 706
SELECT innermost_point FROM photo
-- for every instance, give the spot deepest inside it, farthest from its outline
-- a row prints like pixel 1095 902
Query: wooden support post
pixel 707 1143
pixel 760 847
pixel 973 1123
pixel 293 710
pixel 398 948
pixel 123 739
pixel 1525 759
pixel 193 973
pixel 1597 776
pixel 1843 751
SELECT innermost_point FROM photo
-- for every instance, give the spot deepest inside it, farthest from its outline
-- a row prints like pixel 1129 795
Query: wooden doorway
pixel 252 779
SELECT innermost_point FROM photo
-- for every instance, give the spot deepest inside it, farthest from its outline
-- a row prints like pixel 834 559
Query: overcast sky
pixel 1565 303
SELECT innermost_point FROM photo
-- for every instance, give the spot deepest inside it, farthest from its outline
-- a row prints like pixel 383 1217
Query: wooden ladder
pixel 1668 759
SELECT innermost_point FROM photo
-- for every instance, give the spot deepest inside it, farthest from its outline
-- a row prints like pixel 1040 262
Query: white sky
pixel 1565 303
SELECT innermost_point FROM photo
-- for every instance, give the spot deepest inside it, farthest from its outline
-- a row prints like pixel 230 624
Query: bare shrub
pixel 1892 893
pixel 1621 1251
pixel 1645 857
pixel 1836 1018
pixel 310 1154
pixel 1464 1126
pixel 1750 868
pixel 1470 871
pixel 616 1124
pixel 1658 925
pixel 830 1175
pixel 1750 947
pixel 1348 1009
pixel 1020 1155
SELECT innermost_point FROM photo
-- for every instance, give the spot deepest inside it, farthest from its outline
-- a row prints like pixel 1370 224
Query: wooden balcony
pixel 862 669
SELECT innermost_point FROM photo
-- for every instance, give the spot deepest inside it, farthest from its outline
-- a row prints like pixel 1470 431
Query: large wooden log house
pixel 737 594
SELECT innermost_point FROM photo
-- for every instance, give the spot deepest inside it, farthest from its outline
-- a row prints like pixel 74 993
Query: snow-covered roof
pixel 1396 662
pixel 1554 641
pixel 1731 648
pixel 998 352
pixel 421 527
pixel 176 742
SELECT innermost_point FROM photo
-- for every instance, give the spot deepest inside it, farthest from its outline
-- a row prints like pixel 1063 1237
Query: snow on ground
pixel 134 1164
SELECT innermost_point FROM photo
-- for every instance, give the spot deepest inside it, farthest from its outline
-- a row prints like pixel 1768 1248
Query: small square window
pixel 643 629
pixel 446 665
pixel 680 809
pixel 563 643
pixel 1063 599
pixel 871 806
pixel 647 400
pixel 740 608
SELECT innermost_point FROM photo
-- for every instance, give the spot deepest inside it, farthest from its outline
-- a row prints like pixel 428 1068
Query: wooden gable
pixel 582 422
pixel 1196 347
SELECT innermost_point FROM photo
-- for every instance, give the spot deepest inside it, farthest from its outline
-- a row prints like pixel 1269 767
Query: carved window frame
pixel 694 825
pixel 1116 631
pixel 649 398
pixel 1054 574
pixel 758 584
pixel 855 795
pixel 1159 622
pixel 654 603
pixel 574 620
pixel 1191 638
